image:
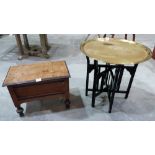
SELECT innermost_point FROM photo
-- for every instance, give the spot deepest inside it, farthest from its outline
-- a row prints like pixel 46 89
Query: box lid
pixel 37 72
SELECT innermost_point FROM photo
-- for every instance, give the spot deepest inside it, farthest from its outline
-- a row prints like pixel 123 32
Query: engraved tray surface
pixel 116 51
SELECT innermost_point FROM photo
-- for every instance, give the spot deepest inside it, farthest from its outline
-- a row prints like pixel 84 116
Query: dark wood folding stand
pixel 44 80
pixel 110 78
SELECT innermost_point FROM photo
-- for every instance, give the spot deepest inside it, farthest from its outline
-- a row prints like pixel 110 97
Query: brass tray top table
pixel 37 81
pixel 117 54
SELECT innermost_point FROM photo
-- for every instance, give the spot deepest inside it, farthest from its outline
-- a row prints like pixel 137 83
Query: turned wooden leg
pixel 20 111
pixel 67 95
pixel 67 103
pixel 16 102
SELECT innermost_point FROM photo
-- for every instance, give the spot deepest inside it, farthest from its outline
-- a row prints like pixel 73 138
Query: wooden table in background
pixel 25 45
pixel 36 81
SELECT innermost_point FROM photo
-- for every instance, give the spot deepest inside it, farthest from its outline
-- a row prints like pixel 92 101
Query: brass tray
pixel 116 51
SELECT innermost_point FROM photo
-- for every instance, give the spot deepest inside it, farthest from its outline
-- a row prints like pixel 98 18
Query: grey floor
pixel 139 106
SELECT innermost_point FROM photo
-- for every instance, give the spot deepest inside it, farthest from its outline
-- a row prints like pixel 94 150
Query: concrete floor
pixel 139 106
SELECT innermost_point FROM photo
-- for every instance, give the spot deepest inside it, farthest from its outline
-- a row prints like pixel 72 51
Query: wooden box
pixel 36 81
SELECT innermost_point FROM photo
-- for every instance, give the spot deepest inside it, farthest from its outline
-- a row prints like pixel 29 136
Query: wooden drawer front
pixel 37 90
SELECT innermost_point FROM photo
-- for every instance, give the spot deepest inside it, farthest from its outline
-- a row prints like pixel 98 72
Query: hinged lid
pixel 38 72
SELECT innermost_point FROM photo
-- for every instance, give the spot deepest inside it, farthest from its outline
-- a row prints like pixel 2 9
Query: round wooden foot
pixel 67 103
pixel 20 111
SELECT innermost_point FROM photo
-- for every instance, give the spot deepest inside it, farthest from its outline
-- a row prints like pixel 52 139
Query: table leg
pixel 20 111
pixel 114 85
pixel 104 78
pixel 19 44
pixel 120 78
pixel 43 42
pixel 95 82
pixel 87 37
pixel 46 41
pixel 90 68
pixel 153 54
pixel 67 95
pixel 67 103
pixel 132 72
pixel 26 42
pixel 87 75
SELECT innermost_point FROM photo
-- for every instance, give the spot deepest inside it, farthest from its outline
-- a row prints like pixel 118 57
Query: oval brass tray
pixel 116 51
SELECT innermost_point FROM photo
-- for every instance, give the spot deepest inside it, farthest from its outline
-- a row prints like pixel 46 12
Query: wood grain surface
pixel 36 72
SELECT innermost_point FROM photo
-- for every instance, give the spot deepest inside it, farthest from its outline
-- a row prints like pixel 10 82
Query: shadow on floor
pixel 53 105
